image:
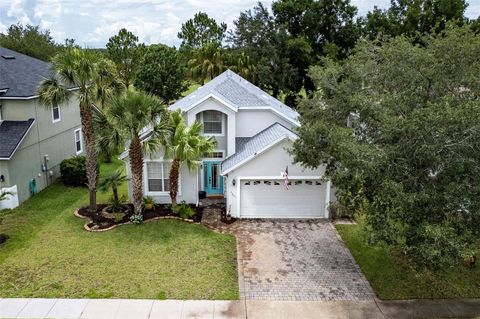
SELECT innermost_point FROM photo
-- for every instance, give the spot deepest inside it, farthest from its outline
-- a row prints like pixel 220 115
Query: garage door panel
pixel 267 199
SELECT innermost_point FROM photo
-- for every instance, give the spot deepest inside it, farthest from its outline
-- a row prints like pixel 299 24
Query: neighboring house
pixel 253 132
pixel 34 139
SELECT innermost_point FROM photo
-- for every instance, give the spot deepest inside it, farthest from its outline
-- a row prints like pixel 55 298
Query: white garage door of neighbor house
pixel 270 199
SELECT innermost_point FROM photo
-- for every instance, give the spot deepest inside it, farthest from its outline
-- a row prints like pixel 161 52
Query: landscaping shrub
pixel 136 218
pixel 73 171
pixel 183 210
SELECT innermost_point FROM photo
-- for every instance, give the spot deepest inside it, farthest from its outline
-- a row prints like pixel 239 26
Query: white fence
pixel 12 200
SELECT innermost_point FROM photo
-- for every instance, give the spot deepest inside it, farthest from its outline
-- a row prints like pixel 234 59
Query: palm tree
pixel 243 65
pixel 113 181
pixel 108 137
pixel 95 81
pixel 131 112
pixel 208 62
pixel 184 144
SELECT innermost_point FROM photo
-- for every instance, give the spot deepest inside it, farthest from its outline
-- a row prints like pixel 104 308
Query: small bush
pixel 183 210
pixel 148 203
pixel 136 219
pixel 73 171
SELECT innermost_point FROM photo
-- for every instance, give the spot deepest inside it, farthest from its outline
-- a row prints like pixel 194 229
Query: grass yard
pixel 50 255
pixel 392 278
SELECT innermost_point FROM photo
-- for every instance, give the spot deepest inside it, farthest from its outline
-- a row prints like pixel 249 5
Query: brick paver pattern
pixel 292 260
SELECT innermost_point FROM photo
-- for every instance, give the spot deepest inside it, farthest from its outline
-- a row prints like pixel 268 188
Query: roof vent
pixel 8 57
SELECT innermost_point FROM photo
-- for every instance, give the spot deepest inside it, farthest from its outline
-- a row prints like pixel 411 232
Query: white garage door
pixel 270 199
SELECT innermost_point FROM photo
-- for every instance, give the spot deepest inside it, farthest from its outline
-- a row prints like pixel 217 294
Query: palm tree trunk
pixel 136 166
pixel 173 180
pixel 90 154
pixel 115 196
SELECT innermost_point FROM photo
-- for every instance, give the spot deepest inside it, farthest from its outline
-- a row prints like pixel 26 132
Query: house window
pixel 157 176
pixel 216 154
pixel 78 141
pixel 55 113
pixel 212 122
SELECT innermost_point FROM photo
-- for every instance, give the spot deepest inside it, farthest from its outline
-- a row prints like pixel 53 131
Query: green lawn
pixel 393 278
pixel 50 255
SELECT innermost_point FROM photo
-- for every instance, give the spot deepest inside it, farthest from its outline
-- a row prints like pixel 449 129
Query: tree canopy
pixel 30 40
pixel 414 17
pixel 201 30
pixel 125 51
pixel 162 73
pixel 398 128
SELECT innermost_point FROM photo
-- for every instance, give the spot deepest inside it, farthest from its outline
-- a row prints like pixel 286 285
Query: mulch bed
pixel 102 219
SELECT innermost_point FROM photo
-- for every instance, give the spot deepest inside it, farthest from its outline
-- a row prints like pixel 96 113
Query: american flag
pixel 285 175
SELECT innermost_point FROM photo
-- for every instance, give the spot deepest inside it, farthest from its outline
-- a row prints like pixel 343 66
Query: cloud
pixel 93 22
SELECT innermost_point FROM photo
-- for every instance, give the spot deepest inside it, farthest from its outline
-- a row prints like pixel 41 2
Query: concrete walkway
pixel 251 309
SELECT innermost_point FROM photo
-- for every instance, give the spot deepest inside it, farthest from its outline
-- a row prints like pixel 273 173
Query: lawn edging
pixel 85 226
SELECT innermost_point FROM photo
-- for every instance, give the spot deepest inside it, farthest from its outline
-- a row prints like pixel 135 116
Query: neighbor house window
pixel 55 113
pixel 212 122
pixel 157 176
pixel 78 141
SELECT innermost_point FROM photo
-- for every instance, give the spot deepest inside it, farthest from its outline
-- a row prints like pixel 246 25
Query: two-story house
pixel 34 139
pixel 254 132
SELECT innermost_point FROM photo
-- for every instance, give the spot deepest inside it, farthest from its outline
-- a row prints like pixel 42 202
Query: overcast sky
pixel 92 22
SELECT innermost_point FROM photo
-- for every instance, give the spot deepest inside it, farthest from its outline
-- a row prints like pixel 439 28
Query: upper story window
pixel 78 141
pixel 212 122
pixel 55 113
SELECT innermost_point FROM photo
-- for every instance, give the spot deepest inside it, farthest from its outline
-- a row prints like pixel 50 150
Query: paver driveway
pixel 296 260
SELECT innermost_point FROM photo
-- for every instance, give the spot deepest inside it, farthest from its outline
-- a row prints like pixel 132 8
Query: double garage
pixel 270 198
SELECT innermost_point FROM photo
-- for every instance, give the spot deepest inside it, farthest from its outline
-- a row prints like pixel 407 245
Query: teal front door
pixel 212 181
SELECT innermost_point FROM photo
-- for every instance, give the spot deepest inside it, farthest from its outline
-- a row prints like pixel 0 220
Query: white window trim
pixel 213 134
pixel 145 179
pixel 59 114
pixel 75 140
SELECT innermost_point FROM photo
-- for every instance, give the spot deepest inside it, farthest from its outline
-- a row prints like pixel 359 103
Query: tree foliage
pixel 398 128
pixel 162 72
pixel 322 23
pixel 207 62
pixel 97 81
pixel 126 52
pixel 131 112
pixel 201 30
pixel 30 40
pixel 184 144
pixel 258 36
pixel 414 17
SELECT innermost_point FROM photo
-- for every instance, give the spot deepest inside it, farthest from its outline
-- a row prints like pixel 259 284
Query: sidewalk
pixel 216 309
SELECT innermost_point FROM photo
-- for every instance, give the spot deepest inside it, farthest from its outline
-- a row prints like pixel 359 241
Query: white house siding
pixel 271 163
pixel 251 122
pixel 188 190
pixel 227 141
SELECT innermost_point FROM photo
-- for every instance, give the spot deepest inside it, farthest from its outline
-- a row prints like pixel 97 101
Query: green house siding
pixel 57 140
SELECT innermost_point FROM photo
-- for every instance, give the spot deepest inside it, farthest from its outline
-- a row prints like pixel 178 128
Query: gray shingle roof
pixel 21 75
pixel 11 134
pixel 250 146
pixel 237 91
